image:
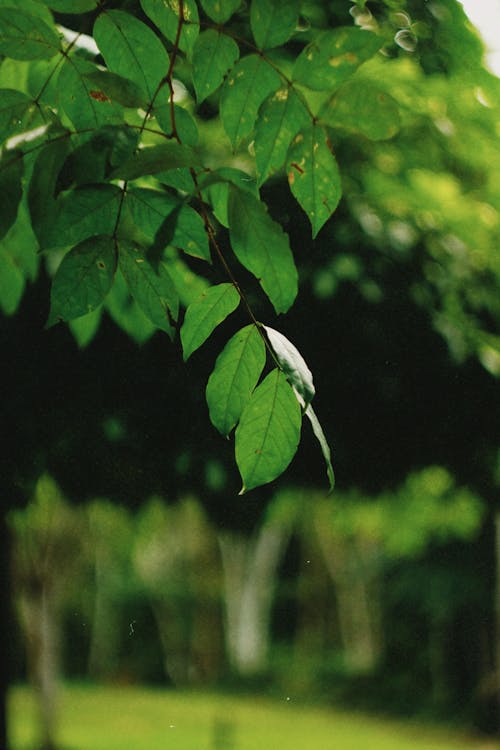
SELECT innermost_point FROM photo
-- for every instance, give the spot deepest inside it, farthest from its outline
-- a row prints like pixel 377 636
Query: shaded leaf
pixel 220 11
pixel 117 88
pixel 313 175
pixel 12 283
pixel 154 159
pixel 83 279
pixel 85 105
pixel 126 312
pixel 85 328
pixel 26 37
pixel 333 56
pixel 215 189
pixel 205 314
pixel 18 113
pixel 131 49
pixel 41 192
pixel 235 375
pixel 325 448
pixel 273 23
pixel 262 247
pixel 268 434
pixel 213 55
pixel 11 189
pixel 241 97
pixel 361 107
pixel 71 6
pixel 152 288
pixel 185 125
pixel 281 116
pixel 293 365
pixel 165 15
pixel 189 285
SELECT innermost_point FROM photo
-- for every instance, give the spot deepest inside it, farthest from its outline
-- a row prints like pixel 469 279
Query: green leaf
pixel 220 11
pixel 273 22
pixel 83 279
pixel 165 15
pixel 361 107
pixel 26 37
pixel 325 448
pixel 205 314
pixel 21 246
pixel 126 312
pixel 71 6
pixel 213 55
pixel 185 126
pixel 152 288
pixel 41 192
pixel 85 328
pixel 268 434
pixel 293 365
pixel 154 159
pixel 281 116
pixel 189 285
pixel 84 212
pixel 18 113
pixel 241 97
pixel 313 175
pixel 235 375
pixel 117 88
pixel 11 189
pixel 131 49
pixel 333 56
pixel 215 189
pixel 11 283
pixel 85 105
pixel 262 247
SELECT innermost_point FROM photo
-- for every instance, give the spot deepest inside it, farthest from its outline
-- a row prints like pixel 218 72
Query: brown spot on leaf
pixel 99 96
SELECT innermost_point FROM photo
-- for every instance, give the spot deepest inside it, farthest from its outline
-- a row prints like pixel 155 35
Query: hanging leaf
pixel 41 192
pixel 241 97
pixel 11 189
pixel 235 375
pixel 281 116
pixel 154 159
pixel 213 55
pixel 273 23
pixel 12 283
pixel 215 189
pixel 26 37
pixel 83 279
pixel 268 434
pixel 131 49
pixel 165 15
pixel 220 11
pixel 293 365
pixel 116 88
pixel 85 328
pixel 361 107
pixel 333 56
pixel 126 312
pixel 185 125
pixel 86 106
pixel 189 285
pixel 152 288
pixel 18 113
pixel 204 315
pixel 262 247
pixel 325 448
pixel 313 175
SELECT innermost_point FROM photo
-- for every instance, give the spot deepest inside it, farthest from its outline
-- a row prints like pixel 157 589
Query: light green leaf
pixel 18 113
pixel 333 56
pixel 262 247
pixel 361 107
pixel 154 159
pixel 241 97
pixel 71 6
pixel 131 49
pixel 189 285
pixel 313 175
pixel 11 190
pixel 281 116
pixel 85 105
pixel 215 189
pixel 85 328
pixel 268 434
pixel 21 245
pixel 220 11
pixel 115 87
pixel 236 373
pixel 11 283
pixel 152 288
pixel 273 22
pixel 26 37
pixel 205 314
pixel 83 279
pixel 293 365
pixel 185 125
pixel 126 312
pixel 325 448
pixel 213 55
pixel 165 15
pixel 84 212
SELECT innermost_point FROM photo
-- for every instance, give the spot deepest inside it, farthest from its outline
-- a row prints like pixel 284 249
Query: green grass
pixel 136 718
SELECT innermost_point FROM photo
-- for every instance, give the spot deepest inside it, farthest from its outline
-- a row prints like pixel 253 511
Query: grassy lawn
pixel 135 718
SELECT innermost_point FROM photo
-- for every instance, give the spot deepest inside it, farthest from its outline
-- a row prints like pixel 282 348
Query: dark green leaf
pixel 117 88
pixel 152 288
pixel 126 312
pixel 236 373
pixel 11 283
pixel 154 159
pixel 21 245
pixel 293 365
pixel 11 190
pixel 26 37
pixel 220 11
pixel 205 314
pixel 268 434
pixel 313 175
pixel 85 105
pixel 325 448
pixel 185 126
pixel 42 188
pixel 18 113
pixel 184 228
pixel 281 116
pixel 85 328
pixel 273 21
pixel 262 247
pixel 165 15
pixel 131 49
pixel 213 55
pixel 83 279
pixel 71 6
pixel 215 188
pixel 361 107
pixel 241 95
pixel 333 56
pixel 189 285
